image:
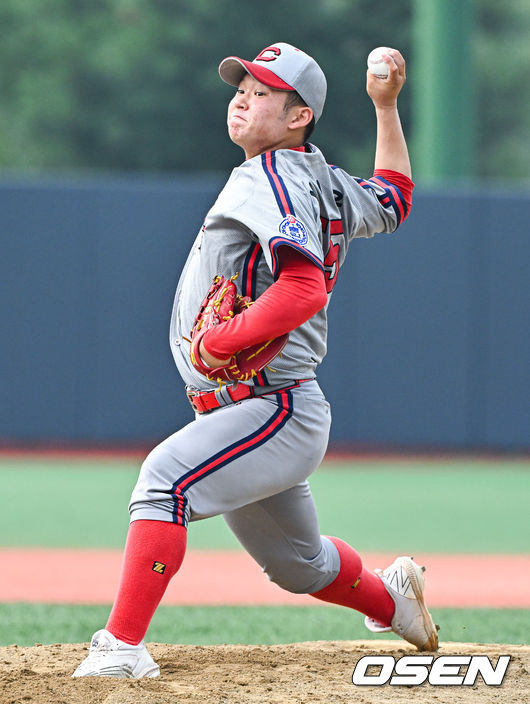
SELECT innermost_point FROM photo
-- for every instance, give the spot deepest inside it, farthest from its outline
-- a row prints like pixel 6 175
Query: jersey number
pixel 331 262
pixel 331 267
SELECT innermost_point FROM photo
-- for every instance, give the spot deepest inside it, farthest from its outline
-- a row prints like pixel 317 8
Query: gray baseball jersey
pixel 284 197
pixel 250 460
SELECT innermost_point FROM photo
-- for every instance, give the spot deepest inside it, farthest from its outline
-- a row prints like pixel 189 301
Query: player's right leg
pixel 153 553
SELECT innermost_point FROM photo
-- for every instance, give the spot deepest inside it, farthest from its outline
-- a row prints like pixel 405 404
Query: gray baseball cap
pixel 283 67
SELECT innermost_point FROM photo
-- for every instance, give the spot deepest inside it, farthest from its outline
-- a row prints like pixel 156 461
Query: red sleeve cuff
pixel 399 180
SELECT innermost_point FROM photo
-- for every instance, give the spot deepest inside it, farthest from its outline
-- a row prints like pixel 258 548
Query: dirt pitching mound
pixel 241 674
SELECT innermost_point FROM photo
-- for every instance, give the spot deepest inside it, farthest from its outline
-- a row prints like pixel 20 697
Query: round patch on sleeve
pixel 294 230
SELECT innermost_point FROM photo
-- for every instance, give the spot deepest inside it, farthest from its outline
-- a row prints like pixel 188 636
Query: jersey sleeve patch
pixel 294 230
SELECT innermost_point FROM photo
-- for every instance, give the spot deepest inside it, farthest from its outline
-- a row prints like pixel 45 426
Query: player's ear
pixel 301 117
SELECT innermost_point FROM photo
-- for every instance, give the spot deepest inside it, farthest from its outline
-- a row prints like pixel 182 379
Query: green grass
pixel 393 506
pixel 402 505
pixel 27 624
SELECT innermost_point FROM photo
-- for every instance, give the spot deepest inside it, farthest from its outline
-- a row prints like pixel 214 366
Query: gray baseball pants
pixel 250 461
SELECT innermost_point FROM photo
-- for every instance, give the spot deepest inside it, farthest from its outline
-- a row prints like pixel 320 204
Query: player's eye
pixel 260 92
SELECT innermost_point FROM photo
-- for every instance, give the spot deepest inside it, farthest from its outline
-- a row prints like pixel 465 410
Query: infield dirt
pixel 299 673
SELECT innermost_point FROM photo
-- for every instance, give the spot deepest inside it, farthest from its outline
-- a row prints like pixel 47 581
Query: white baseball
pixel 376 64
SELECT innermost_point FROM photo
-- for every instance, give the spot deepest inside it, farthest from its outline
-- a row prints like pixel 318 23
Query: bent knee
pixel 301 576
pixel 295 583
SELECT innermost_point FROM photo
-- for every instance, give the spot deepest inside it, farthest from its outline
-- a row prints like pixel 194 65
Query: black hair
pixel 294 99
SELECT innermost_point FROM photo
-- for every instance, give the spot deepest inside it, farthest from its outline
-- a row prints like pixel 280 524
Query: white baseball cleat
pixel 404 582
pixel 110 657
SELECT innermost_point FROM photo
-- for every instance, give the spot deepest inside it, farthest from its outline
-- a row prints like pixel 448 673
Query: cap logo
pixel 265 55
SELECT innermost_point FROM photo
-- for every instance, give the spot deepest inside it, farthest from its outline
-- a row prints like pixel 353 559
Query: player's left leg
pixel 282 535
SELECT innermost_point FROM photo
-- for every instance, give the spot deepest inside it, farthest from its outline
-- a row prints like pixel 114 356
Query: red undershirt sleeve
pixel 399 180
pixel 297 294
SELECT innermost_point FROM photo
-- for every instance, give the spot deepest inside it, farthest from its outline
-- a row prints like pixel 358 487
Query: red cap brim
pixel 232 70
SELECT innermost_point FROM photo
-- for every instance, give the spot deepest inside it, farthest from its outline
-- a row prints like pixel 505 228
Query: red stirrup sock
pixel 357 588
pixel 153 553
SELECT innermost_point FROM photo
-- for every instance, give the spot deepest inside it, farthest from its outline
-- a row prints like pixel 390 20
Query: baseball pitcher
pixel 248 331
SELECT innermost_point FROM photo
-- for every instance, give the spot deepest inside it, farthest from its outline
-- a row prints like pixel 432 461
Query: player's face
pixel 257 121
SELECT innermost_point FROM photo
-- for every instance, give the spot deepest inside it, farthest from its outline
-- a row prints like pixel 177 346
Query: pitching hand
pixel 384 91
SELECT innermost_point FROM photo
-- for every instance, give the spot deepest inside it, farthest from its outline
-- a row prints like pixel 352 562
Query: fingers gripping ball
pixel 376 63
pixel 221 303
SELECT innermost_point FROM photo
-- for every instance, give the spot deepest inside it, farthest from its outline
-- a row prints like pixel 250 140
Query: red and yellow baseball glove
pixel 221 303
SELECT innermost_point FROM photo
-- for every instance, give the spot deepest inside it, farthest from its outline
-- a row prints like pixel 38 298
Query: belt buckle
pixel 194 397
